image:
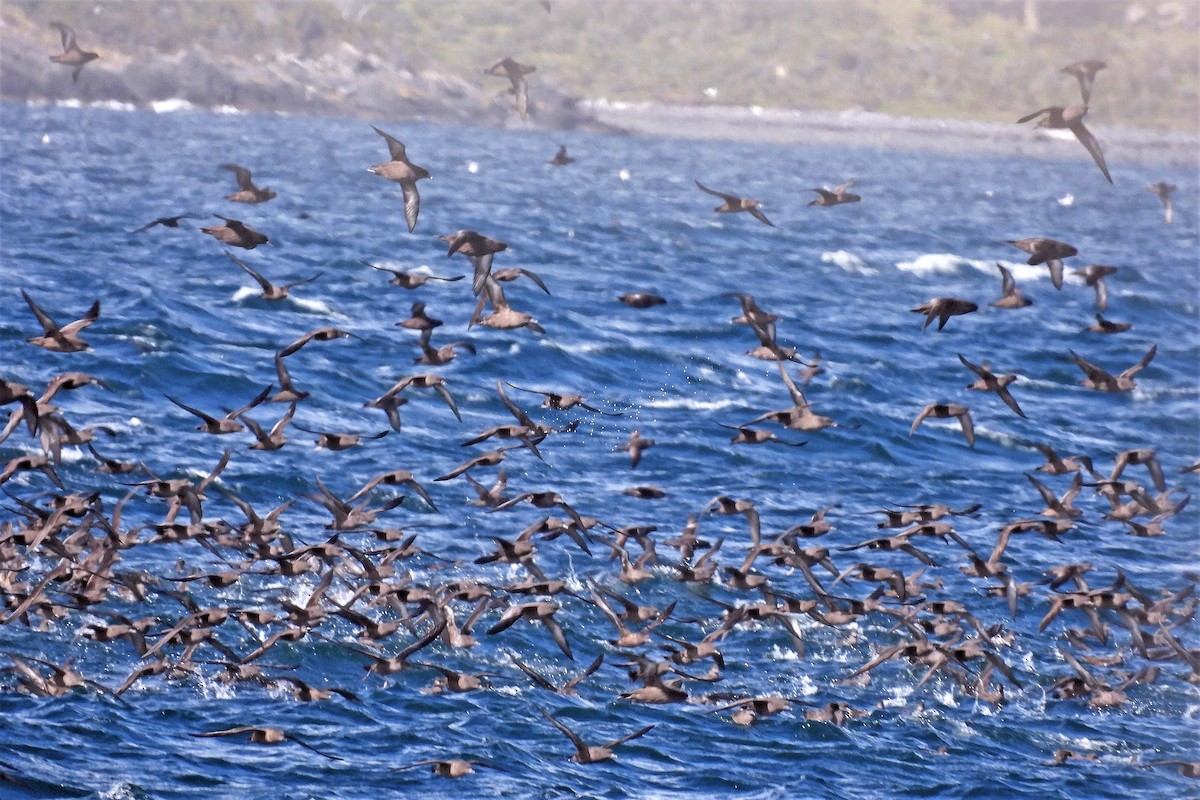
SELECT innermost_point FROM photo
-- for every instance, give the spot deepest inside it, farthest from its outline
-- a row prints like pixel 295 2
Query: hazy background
pixel 989 60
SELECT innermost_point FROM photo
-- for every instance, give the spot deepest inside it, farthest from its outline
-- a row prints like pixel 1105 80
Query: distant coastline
pixel 362 81
pixel 856 128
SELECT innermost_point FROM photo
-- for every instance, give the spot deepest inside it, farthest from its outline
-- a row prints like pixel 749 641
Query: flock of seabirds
pixel 400 608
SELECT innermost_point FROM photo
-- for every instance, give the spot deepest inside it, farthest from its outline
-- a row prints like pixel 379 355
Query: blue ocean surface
pixel 179 318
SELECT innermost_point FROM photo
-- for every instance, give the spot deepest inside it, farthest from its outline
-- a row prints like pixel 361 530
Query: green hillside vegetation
pixel 926 58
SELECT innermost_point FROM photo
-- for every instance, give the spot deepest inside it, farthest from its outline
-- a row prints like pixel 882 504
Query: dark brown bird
pixel 1163 190
pixel 478 248
pixel 403 172
pixel 1143 457
pixel 488 459
pixel 835 196
pixel 515 72
pixel 642 299
pixel 227 424
pixel 288 393
pixel 418 320
pixel 271 291
pixel 635 446
pixel 72 55
pixel 443 354
pixel 1011 294
pixel 273 439
pixel 247 192
pixel 942 309
pixel 236 233
pixel 1102 325
pixel 411 280
pixel 564 401
pixel 1085 73
pixel 1094 275
pixel 989 382
pixel 447 768
pixel 324 334
pixel 427 381
pixel 266 736
pixel 502 316
pixel 1102 381
pixel 561 159
pixel 65 339
pixel 512 273
pixel 1071 118
pixel 567 688
pixel 733 204
pixel 166 222
pixel 340 441
pixel 945 411
pixel 1051 252
pixel 645 492
pixel 590 754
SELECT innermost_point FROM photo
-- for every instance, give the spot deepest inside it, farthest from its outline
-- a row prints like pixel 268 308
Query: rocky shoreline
pixel 346 82
pixel 352 83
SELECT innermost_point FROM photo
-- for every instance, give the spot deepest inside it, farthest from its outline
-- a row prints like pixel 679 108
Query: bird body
pixel 733 204
pixel 942 309
pixel 403 172
pixel 73 55
pixel 1071 118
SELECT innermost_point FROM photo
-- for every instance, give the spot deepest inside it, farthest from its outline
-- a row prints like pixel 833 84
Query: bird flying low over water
pixel 733 204
pixel 72 55
pixel 835 196
pixel 1012 297
pixel 1102 381
pixel 1051 252
pixel 945 411
pixel 247 192
pixel 65 339
pixel 1071 118
pixel 403 172
pixel 271 291
pixel 234 232
pixel 477 247
pixel 1094 275
pixel 989 382
pixel 166 222
pixel 266 736
pixel 1163 190
pixel 942 309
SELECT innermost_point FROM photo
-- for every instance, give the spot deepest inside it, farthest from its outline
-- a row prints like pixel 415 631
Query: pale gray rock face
pixel 346 82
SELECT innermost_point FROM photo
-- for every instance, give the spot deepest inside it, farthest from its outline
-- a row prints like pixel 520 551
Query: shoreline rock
pixel 350 82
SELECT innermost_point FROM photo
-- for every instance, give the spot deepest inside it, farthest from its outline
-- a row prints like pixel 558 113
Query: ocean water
pixel 178 318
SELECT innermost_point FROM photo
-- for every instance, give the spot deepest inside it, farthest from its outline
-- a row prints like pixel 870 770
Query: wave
pixel 952 263
pixel 848 262
pixel 111 105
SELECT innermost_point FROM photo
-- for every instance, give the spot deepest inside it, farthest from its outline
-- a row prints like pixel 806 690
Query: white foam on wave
pixel 952 263
pixel 933 264
pixel 690 403
pixel 113 105
pixel 226 110
pixel 315 306
pixel 848 262
pixel 171 104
